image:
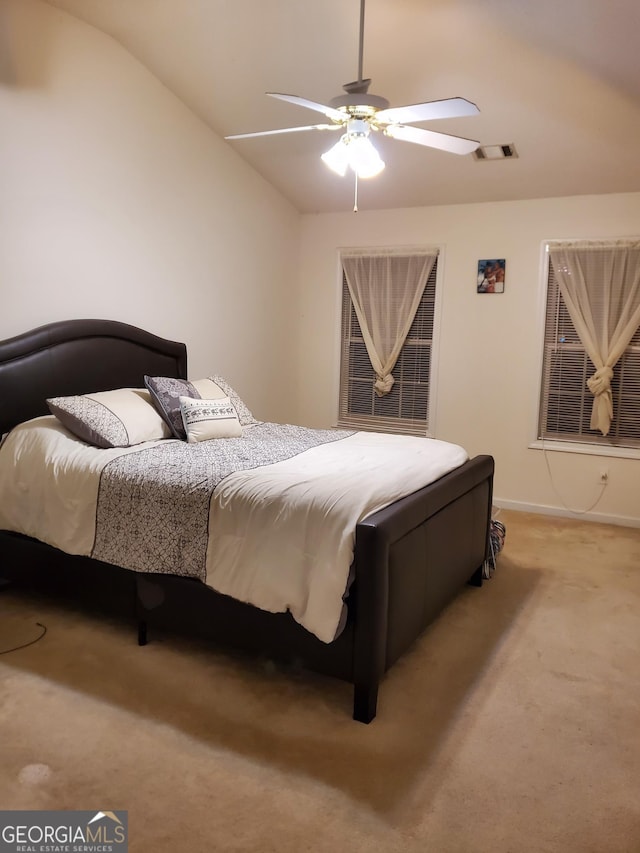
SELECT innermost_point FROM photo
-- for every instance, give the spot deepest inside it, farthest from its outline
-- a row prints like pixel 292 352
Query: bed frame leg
pixel 365 701
pixel 476 577
pixel 148 595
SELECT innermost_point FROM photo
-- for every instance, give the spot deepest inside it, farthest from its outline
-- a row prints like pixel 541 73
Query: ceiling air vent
pixel 495 152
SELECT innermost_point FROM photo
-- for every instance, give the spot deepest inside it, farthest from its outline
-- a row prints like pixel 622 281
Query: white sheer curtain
pixel 600 285
pixel 386 289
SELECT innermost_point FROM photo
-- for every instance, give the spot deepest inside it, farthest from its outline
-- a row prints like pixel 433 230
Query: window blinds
pixel 405 409
pixel 566 402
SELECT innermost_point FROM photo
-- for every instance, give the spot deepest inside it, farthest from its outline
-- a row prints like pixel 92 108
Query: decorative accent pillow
pixel 215 387
pixel 118 418
pixel 165 396
pixel 205 419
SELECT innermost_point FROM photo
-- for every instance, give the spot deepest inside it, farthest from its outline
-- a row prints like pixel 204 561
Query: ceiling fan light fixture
pixel 355 150
pixel 357 113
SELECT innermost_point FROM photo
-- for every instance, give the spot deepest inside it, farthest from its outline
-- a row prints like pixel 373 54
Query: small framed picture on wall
pixel 491 275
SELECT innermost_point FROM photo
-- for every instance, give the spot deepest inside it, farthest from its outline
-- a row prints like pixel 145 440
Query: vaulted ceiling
pixel 558 79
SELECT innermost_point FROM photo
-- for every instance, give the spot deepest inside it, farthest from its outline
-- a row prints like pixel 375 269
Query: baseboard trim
pixel 542 509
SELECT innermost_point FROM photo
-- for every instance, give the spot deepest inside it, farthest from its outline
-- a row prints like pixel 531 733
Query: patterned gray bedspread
pixel 153 505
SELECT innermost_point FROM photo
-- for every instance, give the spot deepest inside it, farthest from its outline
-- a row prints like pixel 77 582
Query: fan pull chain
pixel 355 193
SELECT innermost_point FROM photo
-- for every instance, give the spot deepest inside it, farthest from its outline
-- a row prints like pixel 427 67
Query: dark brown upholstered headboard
pixel 79 357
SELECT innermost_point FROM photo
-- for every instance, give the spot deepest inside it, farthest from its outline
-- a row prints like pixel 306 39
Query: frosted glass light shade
pixel 337 157
pixel 363 157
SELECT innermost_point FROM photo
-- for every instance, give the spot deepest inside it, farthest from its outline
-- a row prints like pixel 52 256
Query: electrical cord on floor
pixel 30 643
pixel 4 583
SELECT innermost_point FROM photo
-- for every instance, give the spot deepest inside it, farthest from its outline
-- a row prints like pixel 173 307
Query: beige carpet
pixel 513 726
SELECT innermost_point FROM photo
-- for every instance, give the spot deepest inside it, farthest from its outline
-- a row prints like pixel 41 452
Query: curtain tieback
pixel 383 384
pixel 600 382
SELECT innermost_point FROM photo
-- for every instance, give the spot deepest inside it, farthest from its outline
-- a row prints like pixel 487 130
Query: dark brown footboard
pixel 412 558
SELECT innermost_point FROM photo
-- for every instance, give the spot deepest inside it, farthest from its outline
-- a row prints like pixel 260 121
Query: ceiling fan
pixel 359 114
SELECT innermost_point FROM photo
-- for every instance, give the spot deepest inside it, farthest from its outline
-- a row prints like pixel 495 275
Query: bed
pixel 410 558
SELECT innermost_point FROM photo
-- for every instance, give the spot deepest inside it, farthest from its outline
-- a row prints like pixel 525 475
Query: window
pixel 405 409
pixel 565 400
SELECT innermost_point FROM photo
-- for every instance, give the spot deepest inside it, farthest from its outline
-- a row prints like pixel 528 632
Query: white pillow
pixel 205 419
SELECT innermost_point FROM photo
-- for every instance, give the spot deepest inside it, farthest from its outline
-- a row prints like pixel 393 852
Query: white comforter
pixel 301 513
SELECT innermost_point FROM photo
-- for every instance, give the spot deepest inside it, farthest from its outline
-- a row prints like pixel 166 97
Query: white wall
pixel 117 202
pixel 489 354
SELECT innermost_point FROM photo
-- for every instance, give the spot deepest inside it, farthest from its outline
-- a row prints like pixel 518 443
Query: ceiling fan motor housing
pixel 359 104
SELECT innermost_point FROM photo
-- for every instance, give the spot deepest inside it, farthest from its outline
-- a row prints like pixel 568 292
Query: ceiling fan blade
pixel 447 108
pixel 443 141
pixel 329 112
pixel 284 130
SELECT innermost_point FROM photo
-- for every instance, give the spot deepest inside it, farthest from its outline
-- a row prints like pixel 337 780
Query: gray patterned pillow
pixel 165 394
pixel 118 418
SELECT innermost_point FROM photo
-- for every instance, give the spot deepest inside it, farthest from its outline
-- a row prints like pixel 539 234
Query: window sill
pixel 586 449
